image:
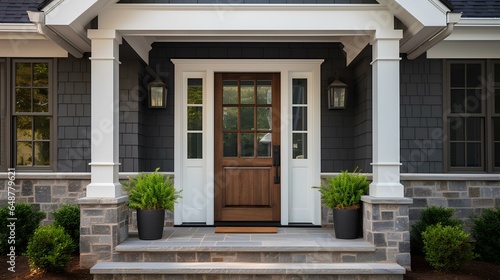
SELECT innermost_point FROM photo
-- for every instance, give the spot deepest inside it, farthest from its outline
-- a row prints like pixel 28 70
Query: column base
pixel 386 224
pixel 103 225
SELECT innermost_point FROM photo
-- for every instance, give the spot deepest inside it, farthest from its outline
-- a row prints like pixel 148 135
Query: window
pixel 473 115
pixel 299 118
pixel 195 118
pixel 31 114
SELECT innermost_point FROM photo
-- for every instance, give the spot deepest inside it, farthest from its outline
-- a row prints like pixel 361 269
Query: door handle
pixel 276 162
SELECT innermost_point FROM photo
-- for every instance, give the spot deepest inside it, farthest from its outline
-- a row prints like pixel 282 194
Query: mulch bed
pixel 474 270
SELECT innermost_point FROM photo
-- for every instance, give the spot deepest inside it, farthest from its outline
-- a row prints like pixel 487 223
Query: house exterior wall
pixel 422 116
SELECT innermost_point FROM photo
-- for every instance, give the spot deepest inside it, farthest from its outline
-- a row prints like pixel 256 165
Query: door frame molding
pixel 197 205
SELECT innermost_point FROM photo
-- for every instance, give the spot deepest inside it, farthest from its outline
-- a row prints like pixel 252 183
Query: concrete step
pixel 245 270
pixel 259 249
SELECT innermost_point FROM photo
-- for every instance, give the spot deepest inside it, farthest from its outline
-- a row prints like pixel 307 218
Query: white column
pixel 386 137
pixel 104 114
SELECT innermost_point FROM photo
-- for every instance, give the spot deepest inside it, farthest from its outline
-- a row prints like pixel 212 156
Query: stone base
pixel 103 225
pixel 386 224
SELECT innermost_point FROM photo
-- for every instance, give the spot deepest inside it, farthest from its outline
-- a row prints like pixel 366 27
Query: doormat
pixel 246 230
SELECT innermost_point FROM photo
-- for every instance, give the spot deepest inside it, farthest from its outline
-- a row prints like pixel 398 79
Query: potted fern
pixel 342 193
pixel 151 194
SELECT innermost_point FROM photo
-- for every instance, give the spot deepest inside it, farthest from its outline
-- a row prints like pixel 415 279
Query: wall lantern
pixel 157 93
pixel 337 92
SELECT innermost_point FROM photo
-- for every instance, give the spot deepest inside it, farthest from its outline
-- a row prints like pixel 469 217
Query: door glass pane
pixel 23 100
pixel 247 92
pixel 264 92
pixel 40 100
pixel 299 118
pixel 299 148
pixel 473 75
pixel 457 75
pixel 247 118
pixel 195 115
pixel 42 153
pixel 264 144
pixel 23 74
pixel 230 118
pixel 230 144
pixel 23 153
pixel 264 118
pixel 195 141
pixel 457 101
pixel 42 128
pixel 247 144
pixel 229 92
pixel 474 103
pixel 299 91
pixel 457 129
pixel 457 154
pixel 474 128
pixel 24 128
pixel 41 74
pixel 195 91
pixel 474 154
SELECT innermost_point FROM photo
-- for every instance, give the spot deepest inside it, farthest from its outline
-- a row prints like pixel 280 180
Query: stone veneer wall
pixel 467 197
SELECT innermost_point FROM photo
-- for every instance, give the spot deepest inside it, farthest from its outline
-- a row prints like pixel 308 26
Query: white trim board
pixel 197 204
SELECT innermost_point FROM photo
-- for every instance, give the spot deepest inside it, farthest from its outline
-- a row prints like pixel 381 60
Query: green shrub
pixel 486 232
pixel 27 221
pixel 150 191
pixel 50 249
pixel 344 190
pixel 68 217
pixel 447 248
pixel 431 216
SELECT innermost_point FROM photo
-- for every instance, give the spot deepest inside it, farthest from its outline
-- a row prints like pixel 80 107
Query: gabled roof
pixel 14 11
pixel 477 8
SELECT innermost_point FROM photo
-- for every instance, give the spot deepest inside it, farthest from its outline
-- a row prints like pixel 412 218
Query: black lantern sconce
pixel 157 91
pixel 337 93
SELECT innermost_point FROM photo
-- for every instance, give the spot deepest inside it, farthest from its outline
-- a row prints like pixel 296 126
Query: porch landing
pixel 199 253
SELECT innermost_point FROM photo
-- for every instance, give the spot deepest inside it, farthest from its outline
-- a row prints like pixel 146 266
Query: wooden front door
pixel 247 147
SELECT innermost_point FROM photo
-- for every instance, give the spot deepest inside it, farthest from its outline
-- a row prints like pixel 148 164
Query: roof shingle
pixel 477 8
pixel 15 11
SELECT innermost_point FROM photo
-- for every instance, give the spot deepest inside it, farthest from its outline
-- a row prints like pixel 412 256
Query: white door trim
pixel 197 204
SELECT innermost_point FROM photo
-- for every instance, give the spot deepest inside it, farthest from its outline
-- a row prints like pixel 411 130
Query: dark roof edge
pixel 447 4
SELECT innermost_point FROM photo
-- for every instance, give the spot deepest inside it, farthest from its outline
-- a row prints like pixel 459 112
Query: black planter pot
pixel 346 223
pixel 150 224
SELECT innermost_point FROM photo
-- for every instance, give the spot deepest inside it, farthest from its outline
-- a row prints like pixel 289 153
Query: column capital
pixel 97 34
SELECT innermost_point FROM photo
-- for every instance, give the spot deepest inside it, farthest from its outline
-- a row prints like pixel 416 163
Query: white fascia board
pixel 68 18
pixel 423 19
pixel 160 20
pixel 465 50
pixel 30 48
pixel 24 40
pixel 426 12
pixel 471 38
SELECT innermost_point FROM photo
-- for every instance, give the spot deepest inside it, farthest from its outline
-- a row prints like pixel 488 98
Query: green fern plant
pixel 150 191
pixel 344 190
